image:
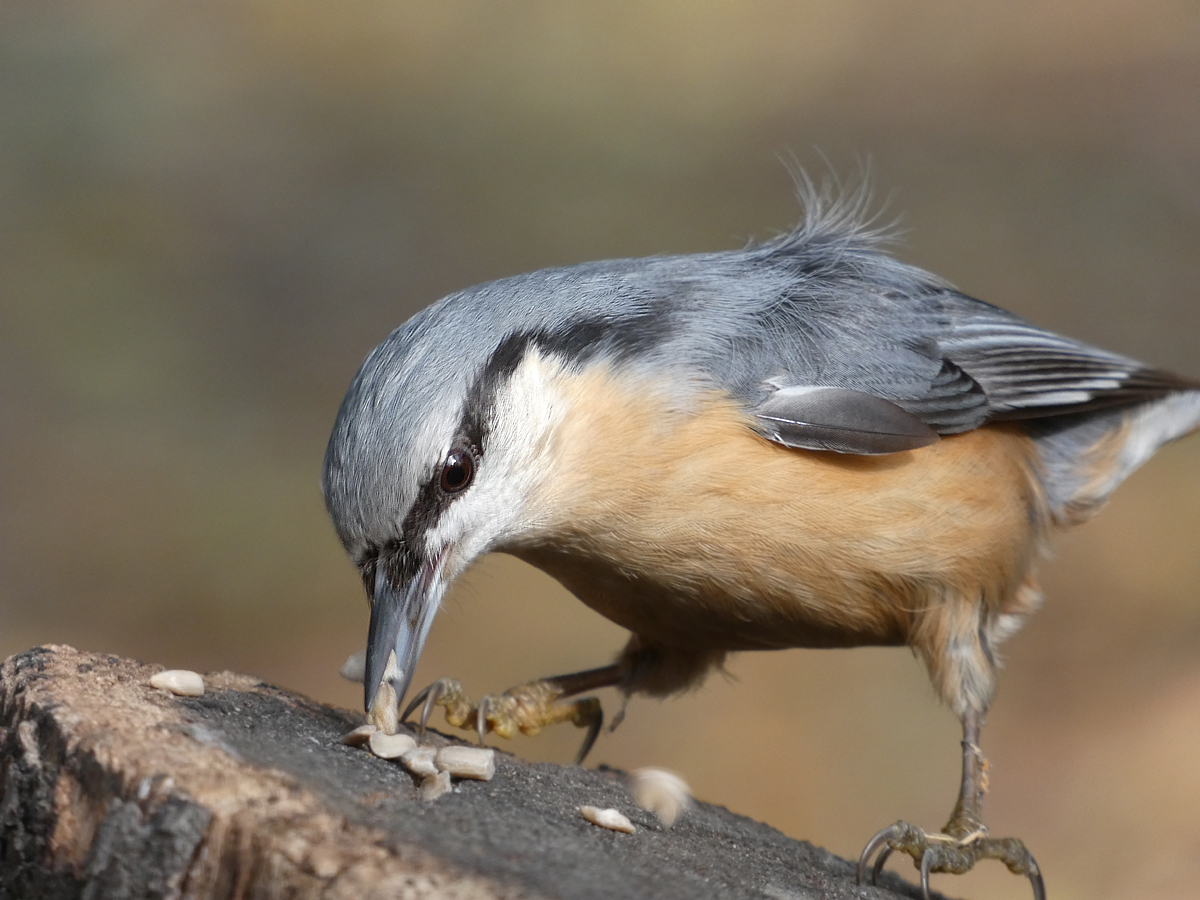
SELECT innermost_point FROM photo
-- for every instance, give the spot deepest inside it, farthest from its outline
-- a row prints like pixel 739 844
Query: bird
pixel 804 442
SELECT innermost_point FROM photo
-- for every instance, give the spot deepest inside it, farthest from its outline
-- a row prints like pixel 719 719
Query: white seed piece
pixel 355 667
pixel 358 736
pixel 384 713
pixel 607 818
pixel 661 792
pixel 433 786
pixel 390 746
pixel 420 760
pixel 391 672
pixel 468 762
pixel 179 681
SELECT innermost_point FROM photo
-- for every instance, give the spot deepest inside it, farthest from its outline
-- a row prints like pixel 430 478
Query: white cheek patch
pixel 518 455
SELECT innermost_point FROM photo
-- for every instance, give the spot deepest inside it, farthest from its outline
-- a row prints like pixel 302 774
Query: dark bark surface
pixel 114 789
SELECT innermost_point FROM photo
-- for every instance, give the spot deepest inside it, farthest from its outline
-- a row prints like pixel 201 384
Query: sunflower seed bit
pixel 607 818
pixel 661 792
pixel 468 762
pixel 390 746
pixel 384 713
pixel 433 786
pixel 355 667
pixel 179 681
pixel 358 736
pixel 420 760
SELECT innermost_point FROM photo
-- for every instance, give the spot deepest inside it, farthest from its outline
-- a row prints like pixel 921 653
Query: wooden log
pixel 111 788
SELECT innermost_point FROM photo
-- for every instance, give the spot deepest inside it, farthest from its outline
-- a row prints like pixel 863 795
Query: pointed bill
pixel 400 621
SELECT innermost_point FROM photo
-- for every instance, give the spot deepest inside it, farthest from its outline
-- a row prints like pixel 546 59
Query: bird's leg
pixel 527 708
pixel 964 840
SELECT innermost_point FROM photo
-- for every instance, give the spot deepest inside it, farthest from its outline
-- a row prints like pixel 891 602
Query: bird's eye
pixel 457 470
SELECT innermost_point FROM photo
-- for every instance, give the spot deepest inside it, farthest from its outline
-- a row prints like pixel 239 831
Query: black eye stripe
pixel 366 563
pixel 366 568
pixel 400 557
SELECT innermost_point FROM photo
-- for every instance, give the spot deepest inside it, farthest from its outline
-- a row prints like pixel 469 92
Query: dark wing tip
pixel 1063 392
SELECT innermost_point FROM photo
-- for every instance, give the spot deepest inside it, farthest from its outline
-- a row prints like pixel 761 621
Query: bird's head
pixel 442 451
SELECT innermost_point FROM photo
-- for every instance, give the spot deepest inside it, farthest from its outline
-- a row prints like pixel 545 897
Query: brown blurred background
pixel 209 213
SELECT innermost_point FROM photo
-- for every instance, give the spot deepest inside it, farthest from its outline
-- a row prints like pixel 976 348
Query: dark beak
pixel 400 620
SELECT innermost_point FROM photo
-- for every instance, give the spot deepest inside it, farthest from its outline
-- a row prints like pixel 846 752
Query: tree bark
pixel 110 788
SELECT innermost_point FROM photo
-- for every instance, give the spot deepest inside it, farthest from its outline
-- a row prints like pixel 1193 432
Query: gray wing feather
pixel 951 362
pixel 845 421
pixel 1027 372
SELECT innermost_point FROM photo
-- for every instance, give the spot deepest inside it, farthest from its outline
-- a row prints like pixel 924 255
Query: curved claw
pixel 1035 879
pixel 429 696
pixel 879 861
pixel 880 839
pixel 926 865
pixel 415 702
pixel 589 739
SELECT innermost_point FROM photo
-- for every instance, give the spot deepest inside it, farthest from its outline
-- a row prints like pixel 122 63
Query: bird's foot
pixel 953 853
pixel 527 708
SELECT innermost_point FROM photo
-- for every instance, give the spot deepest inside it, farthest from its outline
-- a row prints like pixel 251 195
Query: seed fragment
pixel 355 667
pixel 390 746
pixel 358 736
pixel 468 762
pixel 433 786
pixel 607 818
pixel 421 760
pixel 661 792
pixel 179 681
pixel 384 713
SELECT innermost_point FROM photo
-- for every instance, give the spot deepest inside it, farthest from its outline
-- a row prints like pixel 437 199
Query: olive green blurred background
pixel 209 214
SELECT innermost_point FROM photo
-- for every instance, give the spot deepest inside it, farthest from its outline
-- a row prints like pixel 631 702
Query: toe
pixel 879 842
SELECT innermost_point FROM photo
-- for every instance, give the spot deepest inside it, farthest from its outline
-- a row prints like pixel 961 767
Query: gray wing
pixel 1027 372
pixel 840 419
pixel 881 374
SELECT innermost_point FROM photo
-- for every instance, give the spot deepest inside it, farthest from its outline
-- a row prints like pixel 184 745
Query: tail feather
pixel 1086 455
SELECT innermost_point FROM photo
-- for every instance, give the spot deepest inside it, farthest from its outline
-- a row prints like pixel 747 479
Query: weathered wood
pixel 114 789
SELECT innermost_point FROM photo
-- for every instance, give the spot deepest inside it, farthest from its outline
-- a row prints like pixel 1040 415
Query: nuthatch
pixel 804 443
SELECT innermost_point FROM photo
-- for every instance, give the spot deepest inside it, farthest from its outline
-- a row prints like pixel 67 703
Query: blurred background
pixel 210 213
